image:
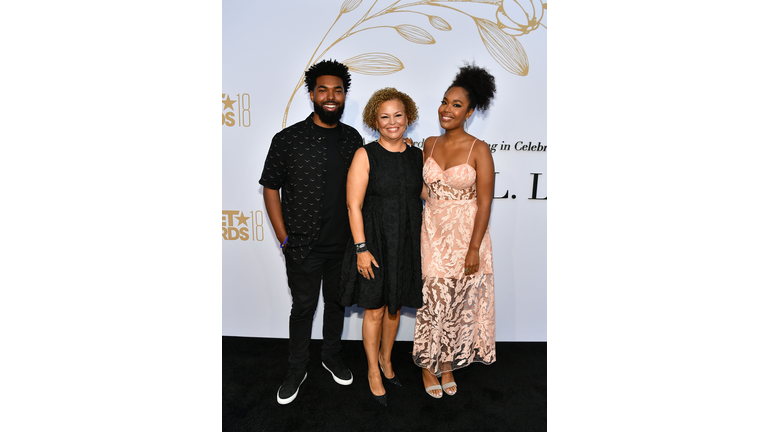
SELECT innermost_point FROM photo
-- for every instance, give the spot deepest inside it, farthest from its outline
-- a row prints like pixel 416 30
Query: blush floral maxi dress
pixel 456 326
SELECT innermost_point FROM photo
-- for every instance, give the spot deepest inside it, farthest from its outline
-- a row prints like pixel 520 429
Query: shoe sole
pixel 337 379
pixel 290 398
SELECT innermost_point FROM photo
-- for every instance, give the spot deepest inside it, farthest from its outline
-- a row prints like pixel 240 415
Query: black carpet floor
pixel 509 395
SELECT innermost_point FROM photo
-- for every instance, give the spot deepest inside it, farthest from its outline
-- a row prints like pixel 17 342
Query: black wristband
pixel 361 247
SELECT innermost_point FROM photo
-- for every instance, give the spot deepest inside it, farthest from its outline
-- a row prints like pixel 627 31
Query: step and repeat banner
pixel 416 47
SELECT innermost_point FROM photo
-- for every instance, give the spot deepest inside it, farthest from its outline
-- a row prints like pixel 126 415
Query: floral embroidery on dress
pixel 457 324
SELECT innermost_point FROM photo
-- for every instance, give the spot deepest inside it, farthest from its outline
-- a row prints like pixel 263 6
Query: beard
pixel 330 118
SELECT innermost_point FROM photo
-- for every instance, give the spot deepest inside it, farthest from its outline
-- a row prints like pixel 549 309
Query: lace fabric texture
pixel 457 325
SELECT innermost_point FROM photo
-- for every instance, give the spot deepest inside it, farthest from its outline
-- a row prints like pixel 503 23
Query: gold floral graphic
pixel 506 21
pixel 522 18
pixel 373 64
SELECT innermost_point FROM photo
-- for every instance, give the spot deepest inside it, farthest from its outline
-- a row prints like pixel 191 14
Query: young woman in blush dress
pixel 456 326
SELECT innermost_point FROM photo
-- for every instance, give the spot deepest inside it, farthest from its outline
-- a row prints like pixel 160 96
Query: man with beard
pixel 309 161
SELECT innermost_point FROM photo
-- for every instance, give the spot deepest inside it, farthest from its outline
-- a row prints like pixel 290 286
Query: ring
pixel 466 270
pixel 360 271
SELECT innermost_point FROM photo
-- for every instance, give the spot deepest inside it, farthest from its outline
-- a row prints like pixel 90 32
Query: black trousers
pixel 304 280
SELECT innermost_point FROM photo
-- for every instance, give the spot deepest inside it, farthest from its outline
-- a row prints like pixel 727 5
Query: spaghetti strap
pixel 433 147
pixel 470 150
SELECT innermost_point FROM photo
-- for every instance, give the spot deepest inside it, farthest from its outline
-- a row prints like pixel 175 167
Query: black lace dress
pixel 392 222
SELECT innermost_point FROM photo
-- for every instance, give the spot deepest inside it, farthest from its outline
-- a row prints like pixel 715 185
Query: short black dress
pixel 392 222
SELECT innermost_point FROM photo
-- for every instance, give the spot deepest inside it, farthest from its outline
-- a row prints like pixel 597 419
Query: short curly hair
pixel 327 67
pixel 479 84
pixel 387 94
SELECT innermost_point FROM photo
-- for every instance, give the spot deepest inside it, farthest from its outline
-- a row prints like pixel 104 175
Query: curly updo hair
pixel 327 67
pixel 387 94
pixel 479 84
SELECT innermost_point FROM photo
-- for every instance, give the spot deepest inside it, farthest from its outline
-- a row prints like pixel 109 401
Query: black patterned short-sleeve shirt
pixel 295 165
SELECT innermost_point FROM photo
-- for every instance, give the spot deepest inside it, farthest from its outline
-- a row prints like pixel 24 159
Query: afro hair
pixel 479 84
pixel 327 67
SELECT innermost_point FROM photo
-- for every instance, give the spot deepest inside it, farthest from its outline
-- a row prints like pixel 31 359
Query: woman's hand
pixel 364 261
pixel 471 261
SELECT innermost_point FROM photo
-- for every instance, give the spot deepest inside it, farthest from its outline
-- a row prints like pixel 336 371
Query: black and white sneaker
pixel 336 367
pixel 290 388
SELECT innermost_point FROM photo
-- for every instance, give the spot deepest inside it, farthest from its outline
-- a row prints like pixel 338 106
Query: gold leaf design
pixel 350 5
pixel 374 64
pixel 518 19
pixel 439 23
pixel 504 48
pixel 415 34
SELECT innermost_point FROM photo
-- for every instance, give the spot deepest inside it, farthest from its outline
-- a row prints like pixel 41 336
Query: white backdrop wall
pixel 417 49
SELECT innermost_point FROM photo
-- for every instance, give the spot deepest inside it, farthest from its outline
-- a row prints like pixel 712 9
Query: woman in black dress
pixel 382 270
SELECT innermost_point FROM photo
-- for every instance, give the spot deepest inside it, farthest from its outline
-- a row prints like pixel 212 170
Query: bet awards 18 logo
pixel 237 225
pixel 240 116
